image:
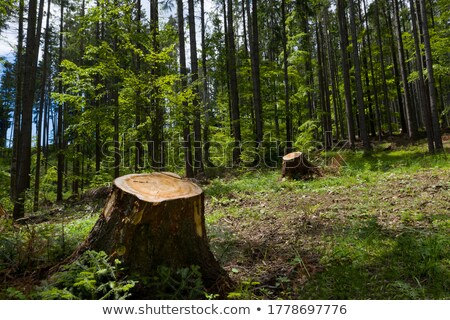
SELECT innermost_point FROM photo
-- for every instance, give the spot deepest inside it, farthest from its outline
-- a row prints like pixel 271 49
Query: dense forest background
pixel 97 89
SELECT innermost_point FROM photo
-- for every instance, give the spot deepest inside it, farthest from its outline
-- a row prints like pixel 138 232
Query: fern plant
pixel 183 283
pixel 90 277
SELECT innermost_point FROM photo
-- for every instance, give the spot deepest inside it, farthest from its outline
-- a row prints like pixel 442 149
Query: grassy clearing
pixel 375 227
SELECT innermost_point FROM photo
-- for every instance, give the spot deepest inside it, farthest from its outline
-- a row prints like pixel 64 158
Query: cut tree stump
pixel 296 166
pixel 156 219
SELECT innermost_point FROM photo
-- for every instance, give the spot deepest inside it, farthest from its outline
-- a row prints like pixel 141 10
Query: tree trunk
pixel 424 102
pixel 40 112
pixel 256 78
pixel 18 102
pixel 410 114
pixel 24 151
pixel 431 82
pixel 60 130
pixel 205 96
pixel 343 33
pixel 383 71
pixel 324 87
pixel 359 87
pixel 198 150
pixel 183 73
pixel 156 147
pixel 234 94
pixel 153 220
pixel 372 72
pixel 286 80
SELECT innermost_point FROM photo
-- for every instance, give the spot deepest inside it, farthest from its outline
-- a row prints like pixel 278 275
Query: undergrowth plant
pixel 167 283
pixel 91 277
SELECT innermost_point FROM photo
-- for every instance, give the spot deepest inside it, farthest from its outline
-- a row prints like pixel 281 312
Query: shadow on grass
pixel 368 262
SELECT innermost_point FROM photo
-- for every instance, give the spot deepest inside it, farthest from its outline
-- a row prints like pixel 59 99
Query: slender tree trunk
pixel 98 144
pixel 256 77
pixel 431 81
pixel 234 94
pixel 45 131
pixel 76 144
pixel 334 85
pixel 343 33
pixel 139 150
pixel 40 111
pixel 206 100
pixel 323 88
pixel 183 72
pixel 98 141
pixel 423 94
pixel 359 88
pixel 156 149
pixel 410 114
pixel 198 149
pixel 60 128
pixel 372 73
pixel 18 103
pixel 244 28
pixel 306 46
pixel 24 165
pixel 286 81
pixel 383 70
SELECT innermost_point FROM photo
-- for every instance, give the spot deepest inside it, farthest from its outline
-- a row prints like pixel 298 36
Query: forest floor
pixel 378 227
pixel 372 227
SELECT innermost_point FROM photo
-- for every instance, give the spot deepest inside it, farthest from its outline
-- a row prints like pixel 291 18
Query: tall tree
pixel 422 90
pixel 324 87
pixel 286 80
pixel 372 70
pixel 156 147
pixel 256 76
pixel 18 102
pixel 431 81
pixel 205 95
pixel 183 73
pixel 383 68
pixel 24 165
pixel 410 114
pixel 358 81
pixel 41 110
pixel 233 94
pixel 198 149
pixel 60 125
pixel 343 34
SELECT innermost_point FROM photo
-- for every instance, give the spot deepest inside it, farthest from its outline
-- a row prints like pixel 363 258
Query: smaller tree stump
pixel 296 166
pixel 156 219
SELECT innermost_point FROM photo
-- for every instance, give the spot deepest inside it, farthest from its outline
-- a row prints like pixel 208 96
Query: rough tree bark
pixel 296 166
pixel 153 220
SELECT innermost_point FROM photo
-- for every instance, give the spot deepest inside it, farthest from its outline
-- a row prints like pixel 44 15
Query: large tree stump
pixel 296 166
pixel 153 220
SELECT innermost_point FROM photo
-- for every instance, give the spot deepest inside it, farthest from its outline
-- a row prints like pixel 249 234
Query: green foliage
pixel 184 283
pixel 412 265
pixel 306 141
pixel 91 276
pixel 245 290
pixel 37 245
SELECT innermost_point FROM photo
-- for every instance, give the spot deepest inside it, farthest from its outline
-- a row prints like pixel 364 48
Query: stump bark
pixel 296 166
pixel 156 219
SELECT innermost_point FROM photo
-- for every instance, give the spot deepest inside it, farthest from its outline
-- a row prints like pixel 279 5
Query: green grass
pixel 377 227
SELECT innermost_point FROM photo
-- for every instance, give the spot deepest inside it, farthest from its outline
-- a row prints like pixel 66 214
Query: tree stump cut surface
pixel 296 166
pixel 153 220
